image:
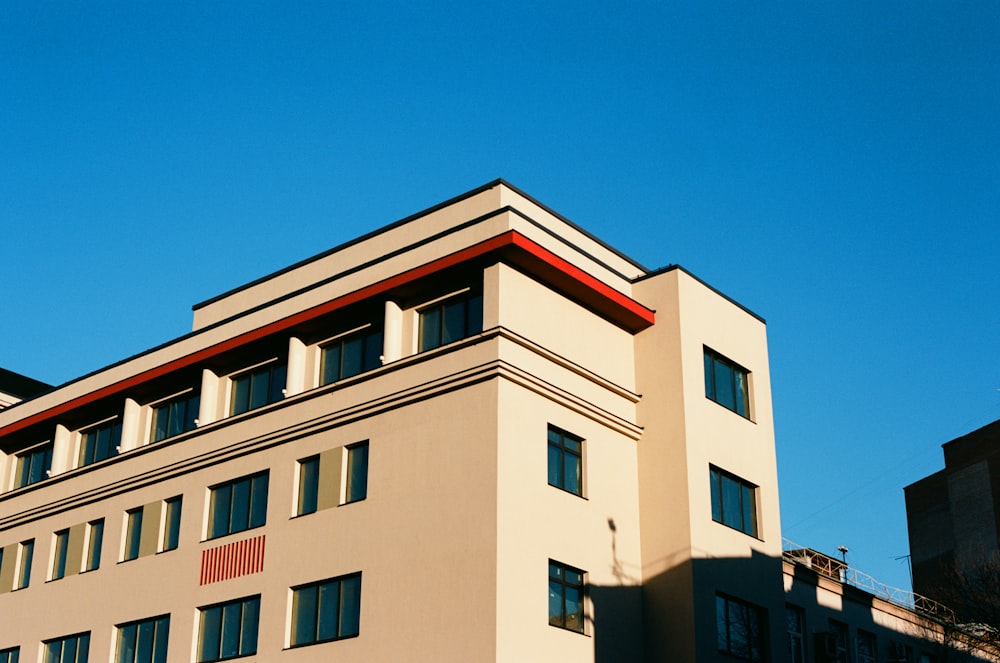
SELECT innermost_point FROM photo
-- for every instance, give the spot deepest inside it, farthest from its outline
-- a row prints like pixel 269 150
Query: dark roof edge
pixel 412 217
pixel 21 386
pixel 670 268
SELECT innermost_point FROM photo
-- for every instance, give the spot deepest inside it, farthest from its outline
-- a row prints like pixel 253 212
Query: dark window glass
pixel 566 597
pixel 33 466
pixel 229 630
pixel 95 537
pixel 71 649
pixel 308 486
pixel 100 443
pixel 133 534
pixel 175 416
pixel 258 387
pixel 351 355
pixel 143 641
pixel 327 610
pixel 866 647
pixel 59 557
pixel 565 456
pixel 357 472
pixel 10 655
pixel 238 505
pixel 740 628
pixel 172 523
pixel 27 551
pixel 726 383
pixel 734 501
pixel 451 320
pixel 795 626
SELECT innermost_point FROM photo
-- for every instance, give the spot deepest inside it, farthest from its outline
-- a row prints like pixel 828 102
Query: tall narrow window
pixel 351 355
pixel 565 461
pixel 727 383
pixel 734 501
pixel 144 641
pixel 228 630
pixel 839 630
pixel 95 539
pixel 357 472
pixel 451 320
pixel 133 533
pixel 866 647
pixel 795 625
pixel 100 442
pixel 740 628
pixel 327 610
pixel 33 465
pixel 69 649
pixel 566 586
pixel 59 554
pixel 176 416
pixel 308 486
pixel 258 387
pixel 25 552
pixel 171 523
pixel 238 505
pixel 10 655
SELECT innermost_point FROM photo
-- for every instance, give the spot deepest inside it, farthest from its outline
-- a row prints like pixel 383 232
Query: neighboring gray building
pixel 15 387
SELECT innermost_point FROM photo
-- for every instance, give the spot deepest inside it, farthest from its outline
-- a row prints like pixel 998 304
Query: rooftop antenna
pixel 843 553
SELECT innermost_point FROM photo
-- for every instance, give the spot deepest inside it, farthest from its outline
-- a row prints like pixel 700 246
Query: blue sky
pixel 835 167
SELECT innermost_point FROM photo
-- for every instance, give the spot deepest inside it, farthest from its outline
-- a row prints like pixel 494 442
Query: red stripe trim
pixel 641 316
pixel 232 560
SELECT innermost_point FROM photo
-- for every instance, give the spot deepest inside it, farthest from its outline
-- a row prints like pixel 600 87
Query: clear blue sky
pixel 835 167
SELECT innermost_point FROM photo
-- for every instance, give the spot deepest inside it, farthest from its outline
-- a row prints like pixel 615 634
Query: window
pixel 734 501
pixel 71 649
pixel 839 630
pixel 143 641
pixel 866 647
pixel 726 383
pixel 795 624
pixel 175 416
pixel 133 534
pixel 357 473
pixel 23 572
pixel 228 630
pixel 740 628
pixel 566 597
pixel 95 536
pixel 308 486
pixel 327 610
pixel 10 655
pixel 100 443
pixel 33 466
pixel 59 554
pixel 238 505
pixel 171 524
pixel 258 387
pixel 451 320
pixel 565 461
pixel 351 355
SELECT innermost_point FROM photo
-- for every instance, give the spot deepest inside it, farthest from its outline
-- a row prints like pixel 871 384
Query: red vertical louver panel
pixel 232 560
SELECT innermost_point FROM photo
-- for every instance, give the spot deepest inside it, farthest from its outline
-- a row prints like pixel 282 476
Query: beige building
pixel 476 434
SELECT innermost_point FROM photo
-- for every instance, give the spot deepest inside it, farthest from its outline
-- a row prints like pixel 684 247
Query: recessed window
pixel 451 320
pixel 59 554
pixel 25 552
pixel 171 523
pixel 258 387
pixel 133 534
pixel 33 465
pixel 867 650
pixel 327 610
pixel 176 416
pixel 351 355
pixel 734 501
pixel 10 655
pixel 238 505
pixel 795 625
pixel 740 628
pixel 308 497
pixel 840 640
pixel 566 592
pixel 100 443
pixel 69 649
pixel 228 630
pixel 143 641
pixel 727 383
pixel 357 473
pixel 565 461
pixel 95 537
